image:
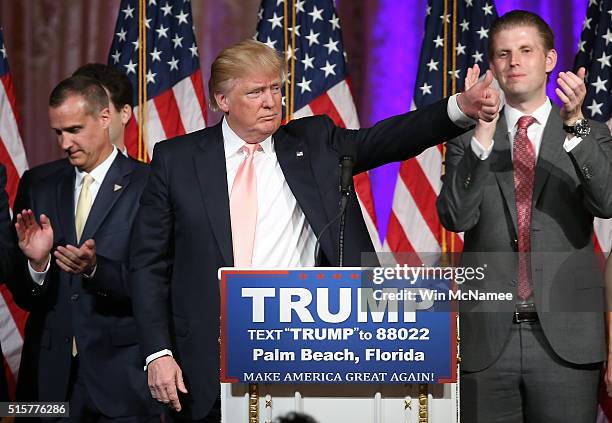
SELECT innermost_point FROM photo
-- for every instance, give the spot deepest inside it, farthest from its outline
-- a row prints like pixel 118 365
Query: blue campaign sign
pixel 334 326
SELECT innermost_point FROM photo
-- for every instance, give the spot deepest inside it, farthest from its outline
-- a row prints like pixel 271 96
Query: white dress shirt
pixel 98 175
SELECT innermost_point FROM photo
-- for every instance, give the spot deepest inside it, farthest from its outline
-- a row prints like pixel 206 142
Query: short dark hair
pixel 516 18
pixel 89 88
pixel 116 82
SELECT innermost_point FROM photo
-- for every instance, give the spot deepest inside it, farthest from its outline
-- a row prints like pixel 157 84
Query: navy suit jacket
pixel 97 311
pixel 182 234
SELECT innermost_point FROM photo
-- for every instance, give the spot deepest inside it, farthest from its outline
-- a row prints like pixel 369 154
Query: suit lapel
pixel 550 149
pixel 209 164
pixel 65 204
pixel 295 161
pixel 503 168
pixel 114 184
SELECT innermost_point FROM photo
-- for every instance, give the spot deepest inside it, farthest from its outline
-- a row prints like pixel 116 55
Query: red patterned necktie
pixel 524 170
pixel 243 209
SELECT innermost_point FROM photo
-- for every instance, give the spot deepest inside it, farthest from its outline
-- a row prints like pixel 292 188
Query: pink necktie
pixel 243 209
pixel 524 171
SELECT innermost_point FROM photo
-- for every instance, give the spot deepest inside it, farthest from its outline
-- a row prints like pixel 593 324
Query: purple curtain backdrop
pixel 47 39
pixel 396 32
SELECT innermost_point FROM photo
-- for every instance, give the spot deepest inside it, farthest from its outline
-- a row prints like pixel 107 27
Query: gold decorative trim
pixel 253 403
pixel 423 403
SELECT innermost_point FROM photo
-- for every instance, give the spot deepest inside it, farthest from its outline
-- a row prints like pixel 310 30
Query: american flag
pixel 175 95
pixel 454 40
pixel 595 54
pixel 12 156
pixel 308 33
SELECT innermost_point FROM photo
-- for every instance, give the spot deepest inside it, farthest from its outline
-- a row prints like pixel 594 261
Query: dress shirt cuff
pixel 569 144
pixel 481 152
pixel 91 274
pixel 39 277
pixel 155 356
pixel 456 115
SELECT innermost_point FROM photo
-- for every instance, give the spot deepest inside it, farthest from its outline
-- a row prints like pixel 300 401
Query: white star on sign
pixel 130 67
pixel 148 23
pixel 136 44
pixel 426 89
pixel 484 33
pixel 121 34
pixel 276 21
pixel 328 69
pixel 162 31
pixel 592 3
pixel 173 64
pixel 307 62
pixel 155 55
pixel 595 108
pixel 316 14
pixel 468 3
pixel 182 18
pixel 167 9
pixel 129 12
pixel 599 84
pixel 456 73
pixel 312 38
pixel 477 56
pixel 587 23
pixel 465 25
pixel 178 41
pixel 439 41
pixel 304 85
pixel 290 53
pixel 432 65
pixel 151 2
pixel 487 9
pixel 581 46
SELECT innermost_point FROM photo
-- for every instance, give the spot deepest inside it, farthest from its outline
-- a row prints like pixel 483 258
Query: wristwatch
pixel 580 128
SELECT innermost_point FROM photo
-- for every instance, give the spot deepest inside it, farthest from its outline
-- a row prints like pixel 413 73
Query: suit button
pixel 74 297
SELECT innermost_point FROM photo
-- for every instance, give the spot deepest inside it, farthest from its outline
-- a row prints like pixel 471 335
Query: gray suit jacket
pixel 478 198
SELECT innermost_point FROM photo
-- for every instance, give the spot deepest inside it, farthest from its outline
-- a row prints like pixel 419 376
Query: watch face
pixel 582 128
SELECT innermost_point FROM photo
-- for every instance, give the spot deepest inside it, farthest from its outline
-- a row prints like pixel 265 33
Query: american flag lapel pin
pixel 117 187
pixel 299 153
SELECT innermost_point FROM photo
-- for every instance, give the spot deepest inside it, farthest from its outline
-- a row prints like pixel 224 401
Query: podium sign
pixel 334 325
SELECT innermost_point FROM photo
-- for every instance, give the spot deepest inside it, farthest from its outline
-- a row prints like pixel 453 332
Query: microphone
pixel 345 187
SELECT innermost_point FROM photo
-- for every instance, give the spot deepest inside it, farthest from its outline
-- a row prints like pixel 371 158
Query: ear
pixel 223 101
pixel 551 60
pixel 126 114
pixel 104 117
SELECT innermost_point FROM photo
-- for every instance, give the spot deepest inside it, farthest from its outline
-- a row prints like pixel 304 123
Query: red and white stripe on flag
pixel 13 157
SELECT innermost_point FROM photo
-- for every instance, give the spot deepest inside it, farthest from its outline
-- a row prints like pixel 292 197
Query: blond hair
pixel 239 60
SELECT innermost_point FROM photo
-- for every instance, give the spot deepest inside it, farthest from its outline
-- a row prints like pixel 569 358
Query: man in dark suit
pixel 284 190
pixel 119 90
pixel 81 341
pixel 526 187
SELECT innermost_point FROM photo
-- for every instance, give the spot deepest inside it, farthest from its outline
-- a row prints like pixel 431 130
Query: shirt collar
pixel 540 114
pixel 233 143
pixel 99 172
